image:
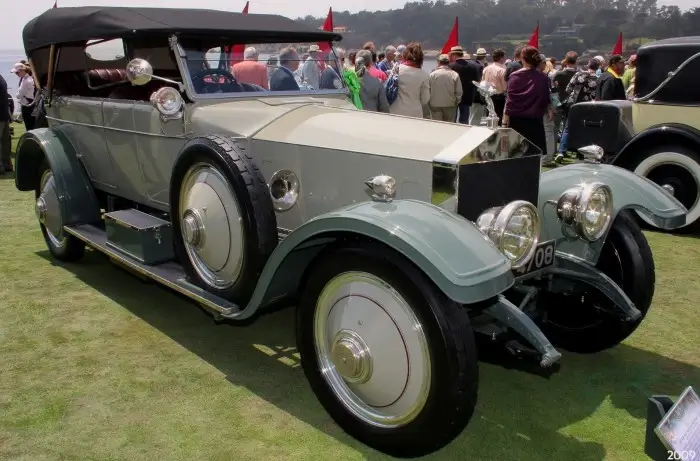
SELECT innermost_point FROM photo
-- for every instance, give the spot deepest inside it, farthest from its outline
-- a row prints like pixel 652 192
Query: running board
pixel 169 274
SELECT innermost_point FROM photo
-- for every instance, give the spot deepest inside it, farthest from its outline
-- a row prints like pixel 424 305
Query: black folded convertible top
pixel 75 24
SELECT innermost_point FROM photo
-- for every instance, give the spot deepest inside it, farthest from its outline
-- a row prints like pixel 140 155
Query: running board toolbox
pixel 139 235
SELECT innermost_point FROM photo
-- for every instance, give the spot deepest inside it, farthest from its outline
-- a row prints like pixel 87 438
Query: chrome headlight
pixel 587 208
pixel 168 101
pixel 514 228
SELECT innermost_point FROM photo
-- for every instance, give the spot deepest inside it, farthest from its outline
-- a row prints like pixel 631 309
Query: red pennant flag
pixel 618 46
pixel 326 46
pixel 236 54
pixel 535 37
pixel 453 38
pixel 327 27
pixel 55 4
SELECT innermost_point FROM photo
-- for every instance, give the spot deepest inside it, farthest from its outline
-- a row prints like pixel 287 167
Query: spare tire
pixel 224 224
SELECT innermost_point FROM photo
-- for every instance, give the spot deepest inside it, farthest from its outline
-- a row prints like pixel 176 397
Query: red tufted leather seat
pixel 100 77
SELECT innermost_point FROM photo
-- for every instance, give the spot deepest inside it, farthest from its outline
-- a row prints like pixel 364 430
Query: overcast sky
pixel 17 13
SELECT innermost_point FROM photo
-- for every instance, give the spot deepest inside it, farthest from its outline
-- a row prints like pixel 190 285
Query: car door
pixel 81 120
pixel 158 140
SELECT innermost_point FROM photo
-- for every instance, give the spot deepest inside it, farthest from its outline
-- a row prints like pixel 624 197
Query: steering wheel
pixel 201 85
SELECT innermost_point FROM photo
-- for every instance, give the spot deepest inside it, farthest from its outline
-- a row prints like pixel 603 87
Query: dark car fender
pixel 666 133
pixel 77 199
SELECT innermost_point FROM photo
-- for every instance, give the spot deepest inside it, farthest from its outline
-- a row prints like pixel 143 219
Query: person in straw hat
pixel 468 72
pixel 25 95
pixel 445 91
pixel 478 108
pixel 311 71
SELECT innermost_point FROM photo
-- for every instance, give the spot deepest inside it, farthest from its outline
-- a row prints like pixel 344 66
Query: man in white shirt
pixel 495 75
pixel 311 71
pixel 25 95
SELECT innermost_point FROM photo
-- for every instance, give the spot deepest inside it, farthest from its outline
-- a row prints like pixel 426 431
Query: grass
pixel 98 365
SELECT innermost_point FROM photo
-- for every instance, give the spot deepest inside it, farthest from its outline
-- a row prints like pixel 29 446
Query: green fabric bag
pixel 353 83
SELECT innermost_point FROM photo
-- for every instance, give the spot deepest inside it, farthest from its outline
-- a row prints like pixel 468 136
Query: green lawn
pixel 98 365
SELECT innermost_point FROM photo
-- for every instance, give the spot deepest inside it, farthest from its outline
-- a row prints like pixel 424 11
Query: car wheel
pixel 585 320
pixel 223 220
pixel 61 245
pixel 677 169
pixel 388 355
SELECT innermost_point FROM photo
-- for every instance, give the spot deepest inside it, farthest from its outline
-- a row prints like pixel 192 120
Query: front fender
pixel 75 194
pixel 449 249
pixel 629 192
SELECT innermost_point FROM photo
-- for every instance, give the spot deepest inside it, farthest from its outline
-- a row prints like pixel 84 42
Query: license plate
pixel 542 259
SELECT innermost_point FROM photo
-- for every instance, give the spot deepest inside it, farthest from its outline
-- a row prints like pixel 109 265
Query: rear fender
pixel 449 249
pixel 78 204
pixel 629 192
pixel 666 134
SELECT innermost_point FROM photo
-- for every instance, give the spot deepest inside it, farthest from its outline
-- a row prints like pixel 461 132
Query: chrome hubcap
pixel 40 210
pixel 669 188
pixel 47 210
pixel 192 227
pixel 372 350
pixel 351 357
pixel 211 226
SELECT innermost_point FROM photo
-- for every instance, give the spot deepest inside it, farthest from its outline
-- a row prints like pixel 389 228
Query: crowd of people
pixel 531 93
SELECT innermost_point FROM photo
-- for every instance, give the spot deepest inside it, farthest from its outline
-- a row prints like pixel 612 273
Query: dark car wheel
pixel 223 220
pixel 585 320
pixel 61 245
pixel 388 355
pixel 678 169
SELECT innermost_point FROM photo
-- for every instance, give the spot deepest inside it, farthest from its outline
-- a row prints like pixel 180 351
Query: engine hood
pixel 336 124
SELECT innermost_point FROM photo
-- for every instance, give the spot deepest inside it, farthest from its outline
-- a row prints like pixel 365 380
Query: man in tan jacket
pixel 445 91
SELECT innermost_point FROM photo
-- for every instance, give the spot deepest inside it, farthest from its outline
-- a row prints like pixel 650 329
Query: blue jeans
pixel 564 135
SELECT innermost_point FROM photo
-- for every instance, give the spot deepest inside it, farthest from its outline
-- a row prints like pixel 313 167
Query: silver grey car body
pixel 400 238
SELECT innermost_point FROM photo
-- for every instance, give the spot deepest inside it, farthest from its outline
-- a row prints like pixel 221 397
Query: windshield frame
pixel 181 60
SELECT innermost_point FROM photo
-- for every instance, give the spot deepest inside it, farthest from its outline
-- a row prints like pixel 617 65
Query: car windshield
pixel 269 67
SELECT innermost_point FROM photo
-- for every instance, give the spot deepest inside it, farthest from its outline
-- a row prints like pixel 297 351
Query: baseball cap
pixel 600 59
pixel 17 67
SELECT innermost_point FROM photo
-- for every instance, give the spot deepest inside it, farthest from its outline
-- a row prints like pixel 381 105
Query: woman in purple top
pixel 528 100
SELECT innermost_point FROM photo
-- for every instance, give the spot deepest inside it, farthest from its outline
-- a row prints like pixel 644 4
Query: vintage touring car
pixel 398 239
pixel 657 134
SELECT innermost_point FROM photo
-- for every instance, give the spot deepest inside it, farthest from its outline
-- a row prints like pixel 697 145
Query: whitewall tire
pixel 61 245
pixel 676 168
pixel 388 355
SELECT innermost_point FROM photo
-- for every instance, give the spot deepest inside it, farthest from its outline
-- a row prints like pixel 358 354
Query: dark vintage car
pixel 398 239
pixel 657 134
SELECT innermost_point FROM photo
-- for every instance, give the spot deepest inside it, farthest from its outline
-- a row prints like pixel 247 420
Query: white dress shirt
pixel 25 95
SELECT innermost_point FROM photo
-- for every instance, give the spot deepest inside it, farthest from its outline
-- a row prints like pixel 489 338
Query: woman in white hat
pixel 25 95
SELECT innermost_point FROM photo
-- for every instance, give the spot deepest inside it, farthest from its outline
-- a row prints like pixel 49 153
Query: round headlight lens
pixel 520 234
pixel 167 100
pixel 515 229
pixel 596 212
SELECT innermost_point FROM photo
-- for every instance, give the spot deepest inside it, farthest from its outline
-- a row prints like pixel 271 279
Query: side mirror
pixel 139 71
pixel 592 152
